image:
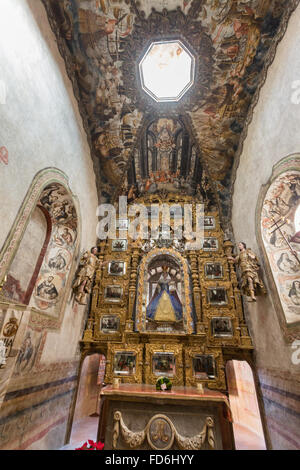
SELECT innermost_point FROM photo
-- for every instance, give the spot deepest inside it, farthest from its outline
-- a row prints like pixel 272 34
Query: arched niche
pixel 164 302
pixel 27 261
pixel 40 251
pixel 279 238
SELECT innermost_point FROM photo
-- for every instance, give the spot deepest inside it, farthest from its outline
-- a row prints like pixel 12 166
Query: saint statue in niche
pixel 165 305
pixel 249 265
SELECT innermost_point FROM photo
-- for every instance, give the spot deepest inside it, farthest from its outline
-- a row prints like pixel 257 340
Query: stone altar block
pixel 140 417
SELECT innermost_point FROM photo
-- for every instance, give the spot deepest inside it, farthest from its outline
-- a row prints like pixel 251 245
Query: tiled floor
pixel 82 431
pixel 86 428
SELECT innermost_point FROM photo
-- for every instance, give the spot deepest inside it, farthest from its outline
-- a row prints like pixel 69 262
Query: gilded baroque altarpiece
pixel 158 309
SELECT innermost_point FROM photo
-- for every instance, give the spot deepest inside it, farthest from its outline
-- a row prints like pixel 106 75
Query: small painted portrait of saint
pixel 47 290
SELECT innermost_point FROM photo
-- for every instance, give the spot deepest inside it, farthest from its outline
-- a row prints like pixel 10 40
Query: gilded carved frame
pixel 112 350
pixel 141 307
pixel 219 381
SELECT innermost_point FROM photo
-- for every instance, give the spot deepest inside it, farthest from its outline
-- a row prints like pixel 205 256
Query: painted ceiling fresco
pixel 103 41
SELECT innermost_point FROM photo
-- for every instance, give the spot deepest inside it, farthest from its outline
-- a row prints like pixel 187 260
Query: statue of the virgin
pixel 165 305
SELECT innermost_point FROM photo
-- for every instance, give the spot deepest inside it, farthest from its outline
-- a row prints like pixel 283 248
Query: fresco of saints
pixel 248 263
pixel 165 304
pixel 294 293
pixel 47 290
pixel 288 265
pixel 58 262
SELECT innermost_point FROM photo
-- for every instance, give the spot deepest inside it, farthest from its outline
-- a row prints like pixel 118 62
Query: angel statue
pixel 249 265
pixel 82 285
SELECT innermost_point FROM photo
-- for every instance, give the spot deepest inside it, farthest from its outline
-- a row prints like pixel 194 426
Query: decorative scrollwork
pixel 196 442
pixel 133 439
pixel 161 434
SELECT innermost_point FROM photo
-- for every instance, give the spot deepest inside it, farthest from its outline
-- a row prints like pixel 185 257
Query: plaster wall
pixel 40 127
pixel 272 135
pixel 40 122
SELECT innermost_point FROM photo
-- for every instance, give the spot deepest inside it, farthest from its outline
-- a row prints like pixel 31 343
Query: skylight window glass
pixel 167 71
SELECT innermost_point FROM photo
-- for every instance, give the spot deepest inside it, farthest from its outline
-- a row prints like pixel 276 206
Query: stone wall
pixel 41 128
pixel 272 135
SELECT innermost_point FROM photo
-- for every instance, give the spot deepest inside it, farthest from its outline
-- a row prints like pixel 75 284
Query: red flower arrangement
pixel 91 445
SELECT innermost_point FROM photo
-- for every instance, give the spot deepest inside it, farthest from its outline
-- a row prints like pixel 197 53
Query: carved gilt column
pixel 132 288
pixel 196 292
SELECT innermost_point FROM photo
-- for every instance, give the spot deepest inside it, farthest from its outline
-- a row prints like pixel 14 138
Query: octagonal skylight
pixel 167 70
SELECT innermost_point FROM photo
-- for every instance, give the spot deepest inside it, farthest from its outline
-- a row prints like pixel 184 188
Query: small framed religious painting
pixel 117 268
pixel 221 326
pixel 209 222
pixel 122 224
pixel 164 364
pixel 124 363
pixel 210 244
pixel 217 296
pixel 113 293
pixel 213 271
pixel 110 324
pixel 119 245
pixel 204 366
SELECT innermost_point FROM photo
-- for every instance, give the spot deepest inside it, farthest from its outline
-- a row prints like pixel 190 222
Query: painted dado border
pixel 289 163
pixel 41 180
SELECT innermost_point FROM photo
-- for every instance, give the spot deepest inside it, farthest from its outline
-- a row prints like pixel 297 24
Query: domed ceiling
pixel 130 133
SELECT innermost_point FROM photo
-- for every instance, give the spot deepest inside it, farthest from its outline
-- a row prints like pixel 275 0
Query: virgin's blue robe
pixel 154 303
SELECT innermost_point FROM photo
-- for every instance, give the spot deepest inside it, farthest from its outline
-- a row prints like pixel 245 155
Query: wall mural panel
pixel 281 238
pixel 49 288
pixel 42 261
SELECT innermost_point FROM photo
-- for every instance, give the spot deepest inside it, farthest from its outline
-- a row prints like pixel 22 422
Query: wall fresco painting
pixel 281 237
pixel 49 287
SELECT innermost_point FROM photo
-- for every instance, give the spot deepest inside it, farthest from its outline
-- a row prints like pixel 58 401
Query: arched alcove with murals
pixel 43 253
pixel 37 265
pixel 279 205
